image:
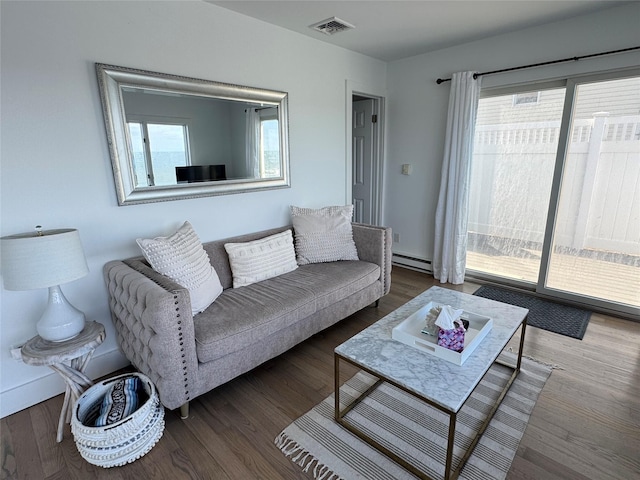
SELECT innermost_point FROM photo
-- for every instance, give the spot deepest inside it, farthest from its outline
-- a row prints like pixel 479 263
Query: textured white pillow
pixel 260 259
pixel 182 258
pixel 323 235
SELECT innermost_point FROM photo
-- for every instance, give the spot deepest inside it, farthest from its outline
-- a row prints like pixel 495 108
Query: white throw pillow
pixel 323 235
pixel 182 258
pixel 261 259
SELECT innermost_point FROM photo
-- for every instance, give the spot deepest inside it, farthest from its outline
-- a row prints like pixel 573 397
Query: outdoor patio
pixel 618 282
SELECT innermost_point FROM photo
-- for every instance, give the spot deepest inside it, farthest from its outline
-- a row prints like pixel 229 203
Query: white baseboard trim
pixel 414 263
pixel 48 386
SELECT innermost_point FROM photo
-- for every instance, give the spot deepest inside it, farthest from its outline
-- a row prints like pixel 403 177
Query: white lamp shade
pixel 42 259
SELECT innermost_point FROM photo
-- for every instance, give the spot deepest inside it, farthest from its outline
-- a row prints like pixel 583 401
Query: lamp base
pixel 60 321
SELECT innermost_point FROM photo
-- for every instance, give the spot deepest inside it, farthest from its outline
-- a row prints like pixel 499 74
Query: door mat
pixel 550 316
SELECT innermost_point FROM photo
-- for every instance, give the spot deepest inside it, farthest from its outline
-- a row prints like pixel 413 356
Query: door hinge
pixel 374 118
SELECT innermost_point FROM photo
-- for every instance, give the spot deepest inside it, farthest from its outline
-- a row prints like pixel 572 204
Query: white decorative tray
pixel 409 333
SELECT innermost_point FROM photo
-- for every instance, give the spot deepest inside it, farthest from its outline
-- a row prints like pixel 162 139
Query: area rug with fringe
pixel 551 316
pixel 414 430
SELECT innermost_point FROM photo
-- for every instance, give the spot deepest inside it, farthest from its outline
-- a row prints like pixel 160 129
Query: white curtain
pixel 450 252
pixel 252 143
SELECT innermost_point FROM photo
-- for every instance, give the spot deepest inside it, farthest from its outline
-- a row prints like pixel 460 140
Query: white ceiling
pixel 391 30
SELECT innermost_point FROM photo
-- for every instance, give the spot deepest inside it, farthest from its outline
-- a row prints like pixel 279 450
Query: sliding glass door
pixel 594 247
pixel 511 177
pixel 555 190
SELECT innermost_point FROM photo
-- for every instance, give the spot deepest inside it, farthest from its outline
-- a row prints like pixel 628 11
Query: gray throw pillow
pixel 323 235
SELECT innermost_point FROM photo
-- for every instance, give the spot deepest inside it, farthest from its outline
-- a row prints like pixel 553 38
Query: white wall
pixel 55 165
pixel 417 106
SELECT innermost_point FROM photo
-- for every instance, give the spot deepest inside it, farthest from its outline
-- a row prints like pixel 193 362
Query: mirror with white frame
pixel 173 137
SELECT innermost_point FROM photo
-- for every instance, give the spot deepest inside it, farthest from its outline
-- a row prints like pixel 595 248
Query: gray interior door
pixel 362 191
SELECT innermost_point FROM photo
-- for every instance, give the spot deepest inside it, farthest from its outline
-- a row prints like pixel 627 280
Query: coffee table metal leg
pixel 449 473
pixel 341 413
pixel 340 418
pixel 522 332
pixel 452 433
pixel 336 385
pixel 523 329
pixel 496 405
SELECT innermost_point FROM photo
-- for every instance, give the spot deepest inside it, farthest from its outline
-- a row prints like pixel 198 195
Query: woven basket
pixel 121 442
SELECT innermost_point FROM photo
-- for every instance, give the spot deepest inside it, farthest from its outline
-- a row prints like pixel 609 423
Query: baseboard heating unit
pixel 413 263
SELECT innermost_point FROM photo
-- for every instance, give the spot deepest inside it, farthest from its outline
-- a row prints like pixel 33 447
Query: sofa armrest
pixel 154 326
pixel 374 245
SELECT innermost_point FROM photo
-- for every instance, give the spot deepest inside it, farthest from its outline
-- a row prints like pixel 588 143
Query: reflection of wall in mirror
pixel 216 127
pixel 237 141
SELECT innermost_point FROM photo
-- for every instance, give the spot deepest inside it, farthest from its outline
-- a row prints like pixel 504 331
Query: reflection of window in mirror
pixel 270 149
pixel 269 143
pixel 157 148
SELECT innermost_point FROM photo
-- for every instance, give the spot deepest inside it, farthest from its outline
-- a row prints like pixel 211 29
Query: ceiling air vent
pixel 332 25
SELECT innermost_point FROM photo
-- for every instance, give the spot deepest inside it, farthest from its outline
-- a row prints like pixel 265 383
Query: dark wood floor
pixel 586 424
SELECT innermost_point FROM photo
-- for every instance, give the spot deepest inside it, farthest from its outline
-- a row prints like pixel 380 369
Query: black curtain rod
pixel 476 75
pixel 263 108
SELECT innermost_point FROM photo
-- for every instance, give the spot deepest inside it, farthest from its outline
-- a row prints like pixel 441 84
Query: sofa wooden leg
pixel 375 305
pixel 184 411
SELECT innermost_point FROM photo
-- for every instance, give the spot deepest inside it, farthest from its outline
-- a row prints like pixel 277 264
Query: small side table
pixel 70 359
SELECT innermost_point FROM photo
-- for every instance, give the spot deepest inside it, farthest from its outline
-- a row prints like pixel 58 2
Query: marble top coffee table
pixel 440 383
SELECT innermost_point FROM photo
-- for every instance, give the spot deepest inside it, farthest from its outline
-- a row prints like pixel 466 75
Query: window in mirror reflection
pixel 270 148
pixel 157 148
pixel 262 142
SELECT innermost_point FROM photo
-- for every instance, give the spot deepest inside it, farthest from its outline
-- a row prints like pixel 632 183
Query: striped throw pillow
pixel 261 259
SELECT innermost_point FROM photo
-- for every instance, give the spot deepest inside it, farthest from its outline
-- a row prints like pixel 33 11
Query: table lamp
pixel 46 259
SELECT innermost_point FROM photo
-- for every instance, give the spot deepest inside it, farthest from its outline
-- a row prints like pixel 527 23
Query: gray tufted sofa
pixel 186 355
